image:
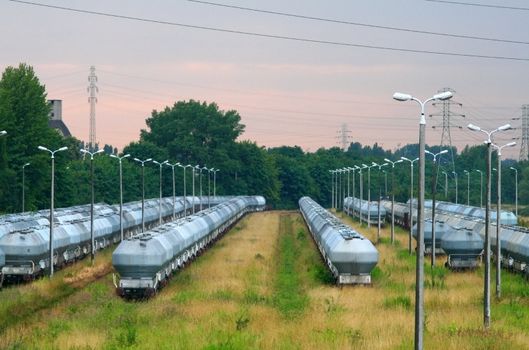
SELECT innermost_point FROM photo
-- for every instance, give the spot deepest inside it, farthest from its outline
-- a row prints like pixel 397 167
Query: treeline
pixel 197 133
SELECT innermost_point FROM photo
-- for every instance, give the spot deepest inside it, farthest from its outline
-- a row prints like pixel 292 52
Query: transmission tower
pixel 92 99
pixel 524 148
pixel 447 113
pixel 343 136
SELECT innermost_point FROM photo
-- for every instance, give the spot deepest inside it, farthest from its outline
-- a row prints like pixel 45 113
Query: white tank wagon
pixel 464 248
pixel 146 262
pixel 368 211
pixel 441 228
pixel 349 255
pixel 25 243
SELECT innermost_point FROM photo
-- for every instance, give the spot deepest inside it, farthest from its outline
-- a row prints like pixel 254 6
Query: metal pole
pixel 209 185
pixel 361 197
pixel 392 204
pixel 200 180
pixel 160 201
pixel 185 197
pixel 174 194
pixel 486 296
pixel 468 188
pixel 498 230
pixel 348 182
pixel 368 197
pixel 51 211
pixel 419 285
pixel 411 210
pixel 23 189
pixel 446 186
pixel 354 192
pixel 481 189
pixel 215 183
pixel 121 200
pixel 385 184
pixel 142 197
pixel 455 174
pixel 193 172
pixel 92 239
pixel 434 191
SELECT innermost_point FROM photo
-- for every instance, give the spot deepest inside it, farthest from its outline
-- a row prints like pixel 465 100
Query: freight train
pixel 366 211
pixel 25 237
pixel 463 241
pixel 349 255
pixel 146 261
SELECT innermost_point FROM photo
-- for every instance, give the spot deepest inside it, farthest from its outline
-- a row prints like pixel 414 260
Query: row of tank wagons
pixel 349 255
pixel 146 262
pixel 24 238
pixel 368 212
pixel 514 240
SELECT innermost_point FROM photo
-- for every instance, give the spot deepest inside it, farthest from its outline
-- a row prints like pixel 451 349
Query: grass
pixel 264 286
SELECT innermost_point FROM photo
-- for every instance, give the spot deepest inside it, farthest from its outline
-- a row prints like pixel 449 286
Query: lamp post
pixel 498 222
pixel 174 187
pixel 357 168
pixel 486 289
pixel 160 200
pixel 434 191
pixel 42 148
pixel 515 190
pixel 468 186
pixel 348 181
pixel 385 183
pixel 361 192
pixel 338 188
pixel 411 199
pixel 120 192
pixel 419 285
pixel 353 169
pixel 393 196
pixel 215 182
pixel 142 190
pixel 209 186
pixel 455 177
pixel 446 184
pixel 92 241
pixel 480 188
pixel 332 188
pixel 184 167
pixel 369 192
pixel 24 186
pixel 379 195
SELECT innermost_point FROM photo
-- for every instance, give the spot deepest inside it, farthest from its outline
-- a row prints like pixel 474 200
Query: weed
pixel 258 256
pixel 402 301
pixel 242 321
pixel 301 234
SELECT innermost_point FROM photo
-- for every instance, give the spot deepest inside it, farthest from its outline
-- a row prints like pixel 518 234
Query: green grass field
pixel 264 286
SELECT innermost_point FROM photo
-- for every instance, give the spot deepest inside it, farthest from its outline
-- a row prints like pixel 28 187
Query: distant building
pixel 56 118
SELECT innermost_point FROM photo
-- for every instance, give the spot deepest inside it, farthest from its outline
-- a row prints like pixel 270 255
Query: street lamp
pixel 380 166
pixel 332 188
pixel 480 188
pixel 120 191
pixel 174 188
pixel 369 192
pixel 419 285
pixel 385 183
pixel 42 148
pixel 446 184
pixel 3 132
pixel 160 201
pixel 486 291
pixel 393 196
pixel 215 182
pixel 468 186
pixel 184 167
pixel 209 186
pixel 498 223
pixel 434 191
pixel 411 199
pixel 455 177
pixel 92 241
pixel 516 189
pixel 361 191
pixel 142 190
pixel 23 186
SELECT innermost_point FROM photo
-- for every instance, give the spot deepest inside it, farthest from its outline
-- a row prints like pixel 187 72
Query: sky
pixel 288 92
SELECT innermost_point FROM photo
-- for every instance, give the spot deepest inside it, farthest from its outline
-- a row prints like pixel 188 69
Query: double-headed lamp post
pixel 480 188
pixel 411 199
pixel 24 186
pixel 369 192
pixel 120 191
pixel 419 285
pixel 486 288
pixel 92 240
pixel 434 191
pixel 467 173
pixel 498 222
pixel 42 148
pixel 380 166
pixel 457 185
pixel 184 167
pixel 215 182
pixel 142 190
pixel 174 187
pixel 393 196
pixel 515 190
pixel 160 164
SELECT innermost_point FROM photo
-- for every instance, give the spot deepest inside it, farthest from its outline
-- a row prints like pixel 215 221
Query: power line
pixel 481 5
pixel 367 25
pixel 274 36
